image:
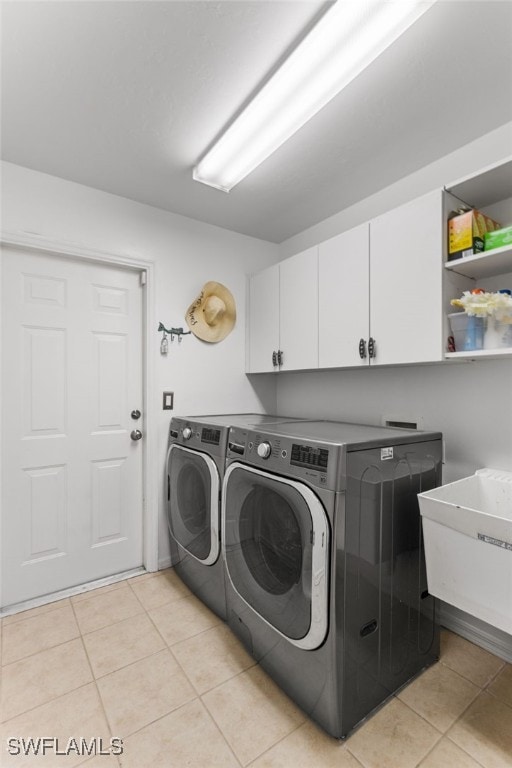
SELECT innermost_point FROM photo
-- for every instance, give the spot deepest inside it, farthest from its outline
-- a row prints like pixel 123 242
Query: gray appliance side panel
pixel 384 613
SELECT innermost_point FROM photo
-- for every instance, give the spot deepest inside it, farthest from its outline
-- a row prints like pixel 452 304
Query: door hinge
pixel 143 277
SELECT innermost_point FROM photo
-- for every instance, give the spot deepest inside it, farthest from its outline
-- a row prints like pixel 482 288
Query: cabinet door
pixel 263 330
pixel 298 310
pixel 406 245
pixel 343 297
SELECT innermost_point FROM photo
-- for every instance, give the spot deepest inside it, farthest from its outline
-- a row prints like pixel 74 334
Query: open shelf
pixel 477 354
pixel 485 264
pixel 486 187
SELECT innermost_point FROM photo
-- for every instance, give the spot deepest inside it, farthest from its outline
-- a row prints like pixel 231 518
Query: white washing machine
pixel 194 473
pixel 325 573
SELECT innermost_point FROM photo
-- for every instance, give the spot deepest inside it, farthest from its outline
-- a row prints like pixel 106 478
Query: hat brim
pixel 218 330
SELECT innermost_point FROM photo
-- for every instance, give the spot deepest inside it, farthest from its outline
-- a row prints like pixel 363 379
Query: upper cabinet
pixel 283 315
pixel 263 328
pixel 379 294
pixel 298 311
pixel 380 289
pixel 344 299
pixel 406 298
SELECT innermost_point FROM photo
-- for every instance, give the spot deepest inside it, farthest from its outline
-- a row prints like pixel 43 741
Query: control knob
pixel 264 450
pixel 187 433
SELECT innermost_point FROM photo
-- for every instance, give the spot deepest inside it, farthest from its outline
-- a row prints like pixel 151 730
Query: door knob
pixel 135 414
pixel 136 434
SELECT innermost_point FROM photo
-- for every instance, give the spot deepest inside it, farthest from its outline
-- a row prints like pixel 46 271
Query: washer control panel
pixel 314 462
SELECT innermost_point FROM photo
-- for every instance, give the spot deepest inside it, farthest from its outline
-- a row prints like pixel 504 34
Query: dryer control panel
pixel 200 436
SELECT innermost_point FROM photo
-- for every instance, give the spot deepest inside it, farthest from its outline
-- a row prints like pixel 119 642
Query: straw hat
pixel 212 315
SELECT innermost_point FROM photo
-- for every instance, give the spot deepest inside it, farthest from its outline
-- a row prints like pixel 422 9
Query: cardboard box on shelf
pixel 466 233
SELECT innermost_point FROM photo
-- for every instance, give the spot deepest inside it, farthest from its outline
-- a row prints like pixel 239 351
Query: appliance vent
pixel 402 420
pixel 401 424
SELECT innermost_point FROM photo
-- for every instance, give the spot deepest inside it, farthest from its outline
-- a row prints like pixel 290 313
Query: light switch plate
pixel 168 401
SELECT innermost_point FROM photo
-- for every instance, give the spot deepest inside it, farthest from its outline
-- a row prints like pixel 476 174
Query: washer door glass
pixel 193 507
pixel 276 549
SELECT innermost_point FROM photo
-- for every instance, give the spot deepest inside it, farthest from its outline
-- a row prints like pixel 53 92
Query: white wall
pixel 471 158
pixel 470 402
pixel 205 378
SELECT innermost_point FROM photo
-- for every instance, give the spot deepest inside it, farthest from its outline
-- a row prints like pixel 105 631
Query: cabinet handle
pixel 362 349
pixel 371 347
pixel 274 359
pixel 280 356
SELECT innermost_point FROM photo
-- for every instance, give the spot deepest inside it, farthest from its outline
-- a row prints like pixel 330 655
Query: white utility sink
pixel 467 528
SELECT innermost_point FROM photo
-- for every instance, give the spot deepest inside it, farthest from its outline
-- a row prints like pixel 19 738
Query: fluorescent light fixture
pixel 348 37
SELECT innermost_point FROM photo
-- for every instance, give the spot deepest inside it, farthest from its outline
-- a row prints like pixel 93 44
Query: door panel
pixel 298 310
pixel 343 297
pixel 44 381
pixel 72 373
pixel 406 246
pixel 263 325
pixel 44 499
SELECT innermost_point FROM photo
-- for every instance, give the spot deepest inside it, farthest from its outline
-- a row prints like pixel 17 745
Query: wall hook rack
pixel 172 332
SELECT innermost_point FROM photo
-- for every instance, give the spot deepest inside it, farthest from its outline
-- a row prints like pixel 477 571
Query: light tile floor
pixel 144 661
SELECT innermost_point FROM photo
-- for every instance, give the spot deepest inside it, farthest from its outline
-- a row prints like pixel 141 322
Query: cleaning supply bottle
pixel 475 329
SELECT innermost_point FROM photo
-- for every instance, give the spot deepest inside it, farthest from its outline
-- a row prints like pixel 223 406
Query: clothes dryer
pixel 194 473
pixel 325 574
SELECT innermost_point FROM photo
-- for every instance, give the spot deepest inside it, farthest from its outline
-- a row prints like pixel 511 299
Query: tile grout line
pixel 112 623
pixel 463 749
pixel 197 696
pixel 169 647
pixel 217 727
pixel 395 698
pixel 41 650
pixel 498 698
pixel 461 715
pixel 469 680
pixel 496 674
pixel 45 703
pixel 98 692
pixel 265 751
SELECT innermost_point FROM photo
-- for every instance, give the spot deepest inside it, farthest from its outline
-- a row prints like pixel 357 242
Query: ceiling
pixel 126 96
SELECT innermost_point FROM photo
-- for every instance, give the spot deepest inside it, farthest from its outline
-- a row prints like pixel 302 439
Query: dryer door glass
pixel 269 536
pixel 193 509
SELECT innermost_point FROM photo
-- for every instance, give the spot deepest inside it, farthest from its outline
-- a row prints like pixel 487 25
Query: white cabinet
pixel 406 286
pixel 263 330
pixel 298 311
pixel 344 299
pixel 283 315
pixel 380 289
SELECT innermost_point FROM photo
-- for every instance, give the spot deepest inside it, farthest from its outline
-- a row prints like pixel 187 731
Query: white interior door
pixel 72 373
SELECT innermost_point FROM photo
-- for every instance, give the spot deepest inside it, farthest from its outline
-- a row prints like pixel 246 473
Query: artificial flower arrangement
pixel 486 304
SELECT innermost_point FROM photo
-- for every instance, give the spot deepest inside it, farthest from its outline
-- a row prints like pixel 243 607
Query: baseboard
pixel 491 639
pixel 164 562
